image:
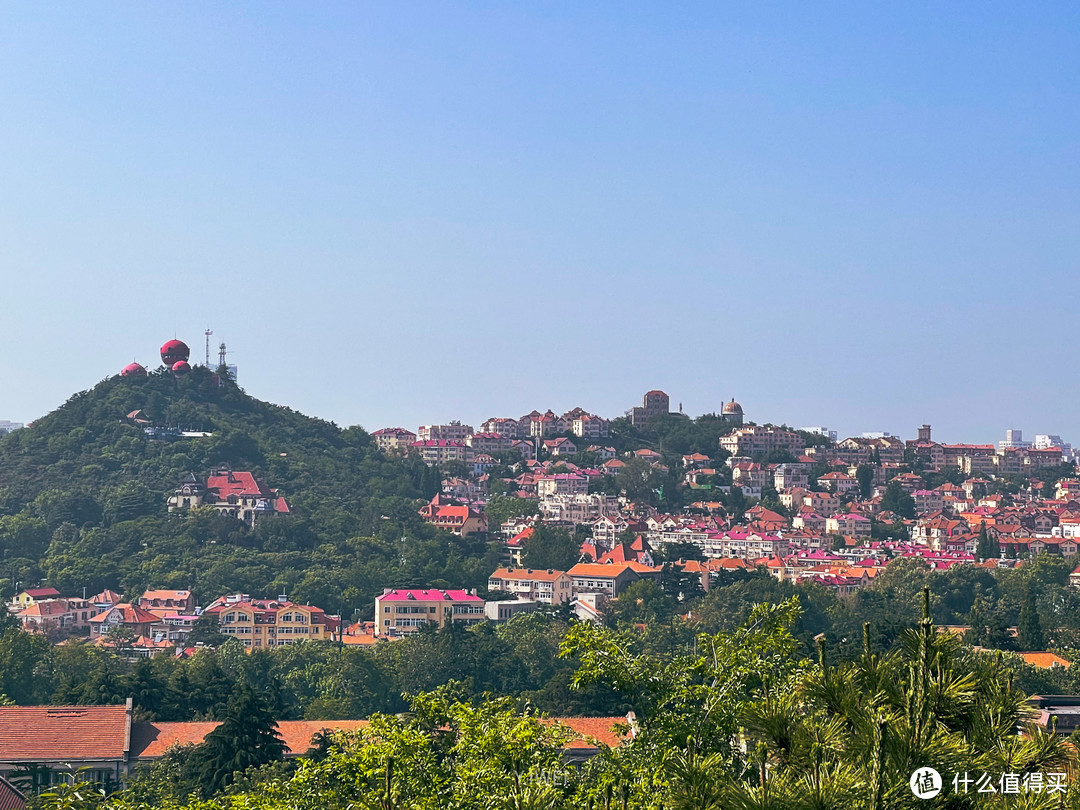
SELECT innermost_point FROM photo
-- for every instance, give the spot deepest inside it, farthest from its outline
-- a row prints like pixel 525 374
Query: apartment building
pixel 441 451
pixel 577 508
pixel 542 585
pixel 653 404
pixel 277 622
pixel 561 484
pixel 393 440
pixel 489 442
pixel 607 579
pixel 453 432
pixel 756 440
pixel 589 426
pixel 400 611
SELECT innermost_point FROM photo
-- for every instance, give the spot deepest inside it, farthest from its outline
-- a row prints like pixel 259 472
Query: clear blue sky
pixel 850 214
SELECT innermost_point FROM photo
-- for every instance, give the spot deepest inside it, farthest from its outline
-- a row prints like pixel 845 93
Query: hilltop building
pixel 732 413
pixel 394 440
pixel 653 404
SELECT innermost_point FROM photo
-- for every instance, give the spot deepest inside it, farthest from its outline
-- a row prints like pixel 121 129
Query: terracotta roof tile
pixel 10 796
pixel 151 740
pixel 68 733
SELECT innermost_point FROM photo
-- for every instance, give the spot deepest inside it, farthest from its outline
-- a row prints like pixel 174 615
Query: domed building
pixel 180 367
pixel 174 351
pixel 732 413
pixel 133 370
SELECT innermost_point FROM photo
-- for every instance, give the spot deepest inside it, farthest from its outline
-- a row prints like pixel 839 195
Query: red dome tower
pixel 174 351
pixel 180 367
pixel 133 370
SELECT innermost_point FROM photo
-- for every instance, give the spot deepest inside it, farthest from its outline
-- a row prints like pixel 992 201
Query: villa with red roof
pixel 406 610
pixel 24 599
pixel 140 621
pixel 232 492
pixel 447 515
pixel 164 602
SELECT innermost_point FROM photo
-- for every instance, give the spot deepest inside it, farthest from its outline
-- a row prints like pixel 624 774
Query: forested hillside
pixel 83 500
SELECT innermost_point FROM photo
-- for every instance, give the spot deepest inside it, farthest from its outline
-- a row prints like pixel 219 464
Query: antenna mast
pixel 208 333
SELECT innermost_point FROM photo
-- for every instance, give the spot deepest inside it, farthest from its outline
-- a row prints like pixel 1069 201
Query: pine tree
pixel 1029 629
pixel 247 737
pixel 982 548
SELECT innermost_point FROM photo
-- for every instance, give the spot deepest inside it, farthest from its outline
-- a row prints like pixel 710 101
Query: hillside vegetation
pixel 83 496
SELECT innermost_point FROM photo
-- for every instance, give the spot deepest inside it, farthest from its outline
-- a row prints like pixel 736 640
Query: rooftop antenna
pixel 208 333
pixel 221 355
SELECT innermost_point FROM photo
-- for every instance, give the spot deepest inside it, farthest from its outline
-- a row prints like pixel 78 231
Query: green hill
pixel 83 500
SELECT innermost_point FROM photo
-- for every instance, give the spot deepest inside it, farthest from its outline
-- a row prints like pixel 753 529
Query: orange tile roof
pixel 1044 660
pixel 602 729
pixel 66 733
pixel 151 740
pixel 598 569
pixel 538 574
pixel 132 614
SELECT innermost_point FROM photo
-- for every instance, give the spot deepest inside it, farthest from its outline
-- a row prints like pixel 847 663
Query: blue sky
pixel 840 214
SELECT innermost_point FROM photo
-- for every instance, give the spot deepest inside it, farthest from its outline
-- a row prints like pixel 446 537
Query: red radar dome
pixel 180 367
pixel 133 370
pixel 174 351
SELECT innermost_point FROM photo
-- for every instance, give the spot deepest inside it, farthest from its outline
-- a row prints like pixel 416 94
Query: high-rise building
pixel 653 404
pixel 1014 440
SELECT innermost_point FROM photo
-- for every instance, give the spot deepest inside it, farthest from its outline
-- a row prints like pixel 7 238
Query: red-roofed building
pixel 260 623
pixel 140 621
pixel 235 493
pixel 405 610
pixel 609 579
pixel 66 739
pixel 449 516
pixel 393 440
pixel 149 741
pixel 176 601
pixel 56 614
pixel 542 585
pixel 25 598
pixel 11 798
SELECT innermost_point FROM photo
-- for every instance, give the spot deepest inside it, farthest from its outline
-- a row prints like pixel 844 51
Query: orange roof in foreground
pixel 1044 660
pixel 601 729
pixel 75 733
pixel 151 740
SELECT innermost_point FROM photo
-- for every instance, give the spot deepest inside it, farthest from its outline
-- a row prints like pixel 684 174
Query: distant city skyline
pixel 865 217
